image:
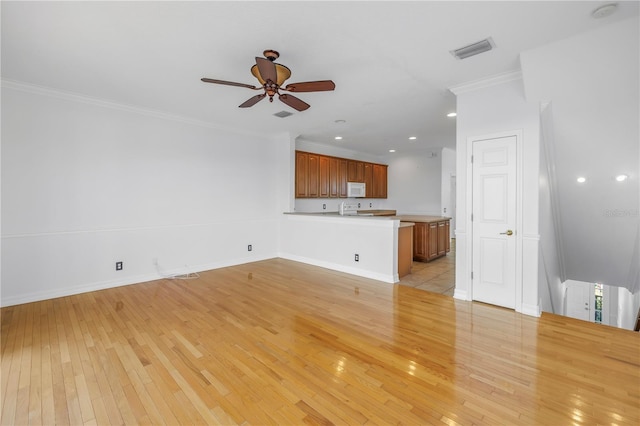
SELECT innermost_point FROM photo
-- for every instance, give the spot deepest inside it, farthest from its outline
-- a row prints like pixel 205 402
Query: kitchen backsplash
pixel 315 205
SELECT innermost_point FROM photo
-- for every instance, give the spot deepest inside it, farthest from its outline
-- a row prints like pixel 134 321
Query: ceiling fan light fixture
pixel 282 73
pixel 474 49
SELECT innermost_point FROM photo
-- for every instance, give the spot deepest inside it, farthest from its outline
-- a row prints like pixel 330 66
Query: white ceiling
pixel 390 60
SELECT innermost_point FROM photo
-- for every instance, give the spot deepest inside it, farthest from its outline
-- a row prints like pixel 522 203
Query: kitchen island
pixel 359 244
pixel 431 238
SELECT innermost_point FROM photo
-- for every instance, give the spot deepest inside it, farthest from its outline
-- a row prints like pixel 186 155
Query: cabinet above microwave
pixel 323 176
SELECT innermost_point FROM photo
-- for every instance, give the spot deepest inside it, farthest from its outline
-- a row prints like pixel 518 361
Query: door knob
pixel 509 232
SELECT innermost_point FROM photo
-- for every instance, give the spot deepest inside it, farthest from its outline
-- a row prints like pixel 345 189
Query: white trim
pixel 532 310
pixel 136 279
pixel 494 80
pixel 104 103
pixel 460 294
pixel 391 279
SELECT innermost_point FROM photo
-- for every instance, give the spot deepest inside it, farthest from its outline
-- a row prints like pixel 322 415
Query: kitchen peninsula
pixel 364 244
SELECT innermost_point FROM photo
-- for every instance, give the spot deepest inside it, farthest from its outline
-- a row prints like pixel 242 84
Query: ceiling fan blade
pixel 267 69
pixel 294 102
pixel 252 101
pixel 311 86
pixel 229 83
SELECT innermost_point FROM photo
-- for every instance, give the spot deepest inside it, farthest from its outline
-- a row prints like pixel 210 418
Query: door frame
pixel 519 210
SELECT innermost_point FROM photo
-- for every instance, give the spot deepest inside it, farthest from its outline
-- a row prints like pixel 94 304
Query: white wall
pixel 549 263
pixel 448 161
pixel 332 241
pixel 87 184
pixel 592 80
pixel 487 108
pixel 415 183
pixel 628 305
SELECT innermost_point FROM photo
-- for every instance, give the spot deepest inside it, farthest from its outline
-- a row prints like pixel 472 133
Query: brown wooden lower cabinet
pixel 405 249
pixel 431 240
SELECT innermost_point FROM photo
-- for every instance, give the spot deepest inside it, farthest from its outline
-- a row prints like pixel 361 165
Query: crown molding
pixel 486 82
pixel 105 103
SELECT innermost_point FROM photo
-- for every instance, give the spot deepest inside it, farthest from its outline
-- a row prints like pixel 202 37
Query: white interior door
pixel 578 300
pixel 494 221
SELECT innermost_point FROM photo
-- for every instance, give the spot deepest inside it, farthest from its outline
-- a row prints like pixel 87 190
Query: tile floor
pixel 437 276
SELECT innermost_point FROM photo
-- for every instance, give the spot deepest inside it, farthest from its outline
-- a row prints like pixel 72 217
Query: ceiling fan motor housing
pixel 271 55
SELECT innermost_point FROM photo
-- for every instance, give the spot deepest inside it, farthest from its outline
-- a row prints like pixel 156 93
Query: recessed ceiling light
pixel 340 121
pixel 581 179
pixel 392 150
pixel 621 178
pixel 451 114
pixel 338 138
pixel 412 138
pixel 604 10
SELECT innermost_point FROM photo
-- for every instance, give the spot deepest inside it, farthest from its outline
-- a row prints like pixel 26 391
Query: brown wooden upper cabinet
pixel 323 176
pixel 308 180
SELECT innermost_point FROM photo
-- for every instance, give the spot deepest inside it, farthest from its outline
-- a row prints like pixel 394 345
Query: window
pixel 599 290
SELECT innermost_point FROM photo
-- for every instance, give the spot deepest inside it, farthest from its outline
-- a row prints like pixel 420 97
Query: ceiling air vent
pixel 474 49
pixel 283 114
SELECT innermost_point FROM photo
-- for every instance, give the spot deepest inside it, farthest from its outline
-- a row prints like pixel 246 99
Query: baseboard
pixel 531 310
pixel 134 279
pixel 460 294
pixel 392 278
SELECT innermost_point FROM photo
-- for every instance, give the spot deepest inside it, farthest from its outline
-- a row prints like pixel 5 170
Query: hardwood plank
pixel 280 342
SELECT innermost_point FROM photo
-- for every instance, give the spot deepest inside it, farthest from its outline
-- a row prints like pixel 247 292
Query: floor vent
pixel 474 49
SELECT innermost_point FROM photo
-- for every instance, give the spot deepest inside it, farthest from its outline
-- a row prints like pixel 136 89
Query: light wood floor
pixel 279 342
pixel 437 276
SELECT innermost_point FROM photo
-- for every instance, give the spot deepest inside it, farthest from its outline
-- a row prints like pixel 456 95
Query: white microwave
pixel 356 189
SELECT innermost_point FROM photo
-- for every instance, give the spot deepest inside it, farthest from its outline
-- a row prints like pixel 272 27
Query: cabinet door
pixel 368 179
pixel 442 238
pixel 448 232
pixel 302 160
pixel 342 178
pixel 352 174
pixel 313 184
pixel 333 178
pixel 379 181
pixel 323 177
pixel 383 184
pixel 420 241
pixel 359 171
pixel 432 245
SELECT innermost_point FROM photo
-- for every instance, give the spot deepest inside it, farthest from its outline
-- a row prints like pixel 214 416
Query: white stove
pixel 348 209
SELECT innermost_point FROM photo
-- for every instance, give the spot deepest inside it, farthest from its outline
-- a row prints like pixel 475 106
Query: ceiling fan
pixel 272 76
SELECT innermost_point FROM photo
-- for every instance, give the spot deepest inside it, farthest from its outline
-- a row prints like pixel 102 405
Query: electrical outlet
pixel 118 266
pixel 370 204
pixel 249 247
pixel 324 207
pixel 358 205
pixel 357 258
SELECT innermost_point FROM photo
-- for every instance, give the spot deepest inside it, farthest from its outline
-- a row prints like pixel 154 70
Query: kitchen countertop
pixel 377 212
pixel 368 214
pixel 421 218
